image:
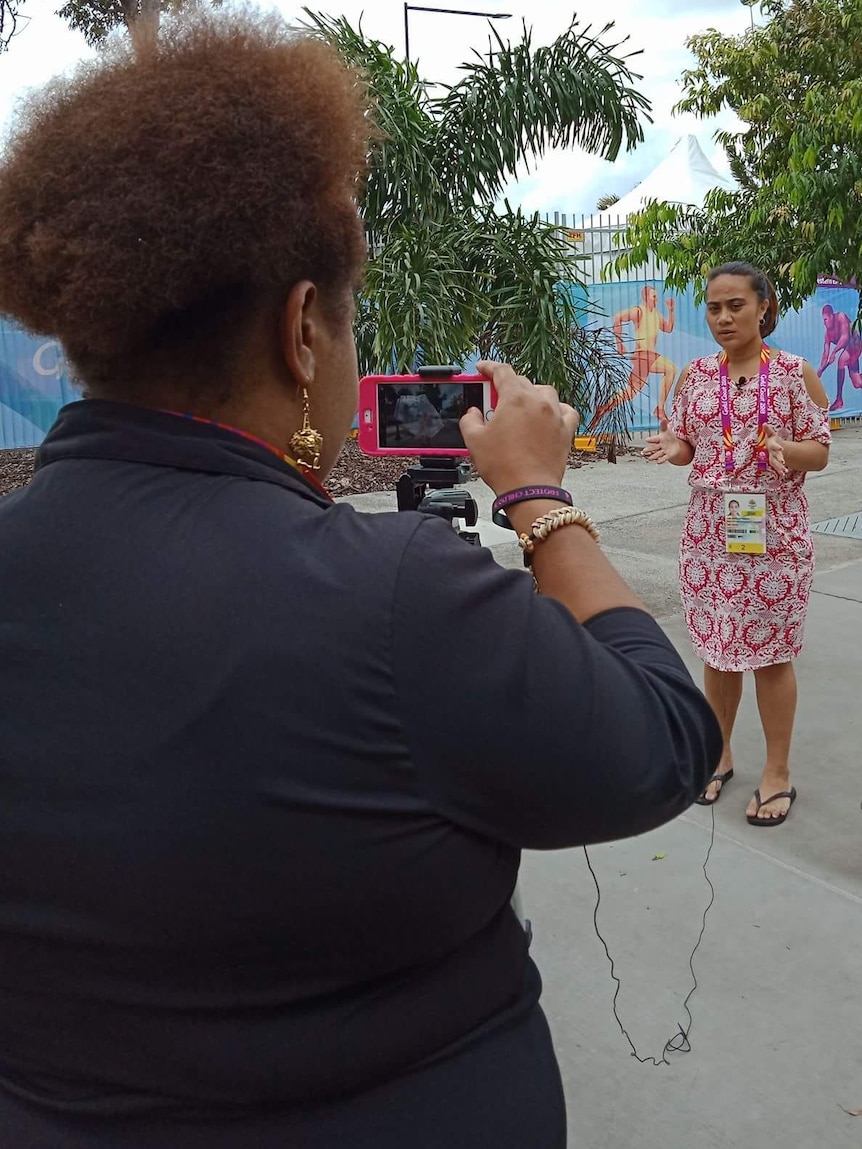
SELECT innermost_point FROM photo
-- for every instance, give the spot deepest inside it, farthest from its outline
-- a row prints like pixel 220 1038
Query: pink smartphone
pixel 419 414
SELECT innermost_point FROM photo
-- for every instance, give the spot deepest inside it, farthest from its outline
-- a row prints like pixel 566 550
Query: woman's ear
pixel 299 331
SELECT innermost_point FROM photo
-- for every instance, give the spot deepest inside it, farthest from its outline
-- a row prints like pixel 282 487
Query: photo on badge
pixel 745 523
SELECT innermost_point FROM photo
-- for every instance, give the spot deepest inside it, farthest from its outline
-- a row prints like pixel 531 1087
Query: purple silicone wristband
pixel 523 494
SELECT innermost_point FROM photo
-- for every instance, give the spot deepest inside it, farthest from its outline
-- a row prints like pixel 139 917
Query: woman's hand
pixel 775 450
pixel 665 447
pixel 527 440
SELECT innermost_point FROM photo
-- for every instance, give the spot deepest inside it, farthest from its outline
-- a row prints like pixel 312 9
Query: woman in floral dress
pixel 746 610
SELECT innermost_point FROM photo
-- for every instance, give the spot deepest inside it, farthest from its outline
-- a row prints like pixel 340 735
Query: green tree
pixel 96 18
pixel 449 271
pixel 605 202
pixel 795 82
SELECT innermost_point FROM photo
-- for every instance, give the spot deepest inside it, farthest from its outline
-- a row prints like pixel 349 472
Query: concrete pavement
pixel 776 1042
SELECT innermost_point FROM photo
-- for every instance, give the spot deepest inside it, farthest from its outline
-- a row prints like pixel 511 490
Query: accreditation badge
pixel 745 523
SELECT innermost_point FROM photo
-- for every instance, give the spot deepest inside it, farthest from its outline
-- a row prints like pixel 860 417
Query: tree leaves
pixel 93 18
pixel 795 83
pixel 607 201
pixel 96 18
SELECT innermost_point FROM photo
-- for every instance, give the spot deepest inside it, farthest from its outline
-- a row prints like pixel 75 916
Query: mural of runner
pixel 648 322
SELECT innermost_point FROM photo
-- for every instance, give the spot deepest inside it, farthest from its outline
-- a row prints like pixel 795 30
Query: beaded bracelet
pixel 552 521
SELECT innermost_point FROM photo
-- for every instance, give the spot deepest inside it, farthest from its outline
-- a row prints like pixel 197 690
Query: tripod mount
pixel 431 486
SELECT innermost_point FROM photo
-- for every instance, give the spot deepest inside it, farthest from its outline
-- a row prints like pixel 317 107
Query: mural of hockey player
pixel 843 344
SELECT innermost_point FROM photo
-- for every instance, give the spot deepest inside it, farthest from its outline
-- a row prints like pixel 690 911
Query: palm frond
pixel 518 101
pixel 403 178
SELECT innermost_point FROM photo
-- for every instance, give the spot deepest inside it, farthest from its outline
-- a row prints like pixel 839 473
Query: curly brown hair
pixel 153 204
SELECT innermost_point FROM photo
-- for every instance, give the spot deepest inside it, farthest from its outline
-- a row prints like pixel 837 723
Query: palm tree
pixel 451 269
pixel 606 201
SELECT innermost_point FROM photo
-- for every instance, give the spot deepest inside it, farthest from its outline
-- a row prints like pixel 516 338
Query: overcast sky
pixel 568 181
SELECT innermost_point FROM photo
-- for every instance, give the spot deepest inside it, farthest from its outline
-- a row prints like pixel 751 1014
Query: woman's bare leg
pixel 723 689
pixel 776 701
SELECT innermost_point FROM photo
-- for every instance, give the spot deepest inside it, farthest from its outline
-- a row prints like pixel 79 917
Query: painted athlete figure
pixel 847 350
pixel 648 322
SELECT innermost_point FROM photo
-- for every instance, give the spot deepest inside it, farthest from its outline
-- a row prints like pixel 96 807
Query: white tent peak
pixel 684 176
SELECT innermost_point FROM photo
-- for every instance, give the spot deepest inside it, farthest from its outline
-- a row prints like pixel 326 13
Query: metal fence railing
pixel 597 240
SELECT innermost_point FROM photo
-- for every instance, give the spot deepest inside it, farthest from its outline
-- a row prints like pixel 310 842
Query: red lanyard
pixel 762 410
pixel 315 482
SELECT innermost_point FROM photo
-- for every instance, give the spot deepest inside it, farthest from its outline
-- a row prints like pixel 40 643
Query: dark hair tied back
pixel 760 285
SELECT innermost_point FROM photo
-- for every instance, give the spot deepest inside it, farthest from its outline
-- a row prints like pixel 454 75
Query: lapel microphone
pixel 741 381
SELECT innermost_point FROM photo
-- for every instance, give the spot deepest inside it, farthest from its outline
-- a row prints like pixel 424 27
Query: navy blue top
pixel 266 767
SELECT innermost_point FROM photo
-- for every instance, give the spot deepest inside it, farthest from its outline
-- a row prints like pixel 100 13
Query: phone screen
pixel 417 415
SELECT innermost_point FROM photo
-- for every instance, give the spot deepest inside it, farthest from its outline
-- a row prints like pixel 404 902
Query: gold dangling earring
pixel 307 442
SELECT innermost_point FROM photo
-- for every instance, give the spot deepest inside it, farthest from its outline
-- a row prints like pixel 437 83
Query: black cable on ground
pixel 680 1041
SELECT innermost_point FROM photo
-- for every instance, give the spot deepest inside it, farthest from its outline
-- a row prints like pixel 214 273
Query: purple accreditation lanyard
pixel 762 410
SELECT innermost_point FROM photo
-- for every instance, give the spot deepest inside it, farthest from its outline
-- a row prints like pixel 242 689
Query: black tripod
pixel 440 474
pixel 451 503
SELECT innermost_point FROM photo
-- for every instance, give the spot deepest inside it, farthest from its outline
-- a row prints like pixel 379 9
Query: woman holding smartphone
pixel 267 764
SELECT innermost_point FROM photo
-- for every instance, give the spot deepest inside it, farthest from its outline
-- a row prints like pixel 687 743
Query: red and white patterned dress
pixel 746 611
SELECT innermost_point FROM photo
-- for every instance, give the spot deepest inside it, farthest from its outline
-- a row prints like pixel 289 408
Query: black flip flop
pixel 753 819
pixel 723 779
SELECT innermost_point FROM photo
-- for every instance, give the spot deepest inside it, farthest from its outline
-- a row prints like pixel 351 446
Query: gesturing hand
pixel 528 439
pixel 664 447
pixel 775 449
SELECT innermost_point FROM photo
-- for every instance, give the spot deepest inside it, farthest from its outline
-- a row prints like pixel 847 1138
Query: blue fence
pixel 34 385
pixel 669 337
pixel 35 381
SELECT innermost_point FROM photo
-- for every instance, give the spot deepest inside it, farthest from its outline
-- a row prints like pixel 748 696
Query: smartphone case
pixel 367 422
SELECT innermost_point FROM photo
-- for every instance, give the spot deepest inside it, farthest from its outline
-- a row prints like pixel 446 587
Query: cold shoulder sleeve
pixel 809 421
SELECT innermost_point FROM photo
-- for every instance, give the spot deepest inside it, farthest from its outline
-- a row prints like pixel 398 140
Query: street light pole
pixel 408 8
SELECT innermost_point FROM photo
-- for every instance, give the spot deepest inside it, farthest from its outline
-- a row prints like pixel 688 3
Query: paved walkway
pixel 776 1040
